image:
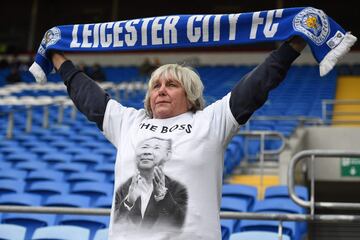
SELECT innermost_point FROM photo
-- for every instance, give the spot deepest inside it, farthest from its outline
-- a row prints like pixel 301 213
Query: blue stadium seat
pixel 61 233
pixel 51 137
pixel 62 144
pixel 227 227
pixel 234 204
pixel 25 138
pixel 45 175
pixel 68 200
pixel 89 159
pixel 29 221
pixel 88 176
pixel 42 150
pixel 93 189
pixel 282 205
pixel 109 153
pixel 31 166
pixel 246 192
pixel 15 158
pixel 91 222
pixel 9 150
pixel 33 144
pixel 289 228
pixel 54 158
pixel 283 192
pixel 92 132
pixel 39 131
pixel 12 231
pixel 62 131
pixel 93 144
pixel 12 174
pixel 81 138
pixel 20 199
pixel 75 150
pixel 70 167
pixel 102 234
pixel 8 143
pixel 103 202
pixel 107 168
pixel 11 186
pixel 4 165
pixel 48 188
pixel 257 235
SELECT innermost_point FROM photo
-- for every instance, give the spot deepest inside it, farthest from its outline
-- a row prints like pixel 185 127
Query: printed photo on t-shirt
pixel 150 199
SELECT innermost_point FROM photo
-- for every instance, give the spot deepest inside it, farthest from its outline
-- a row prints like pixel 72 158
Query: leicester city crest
pixel 313 23
pixel 51 37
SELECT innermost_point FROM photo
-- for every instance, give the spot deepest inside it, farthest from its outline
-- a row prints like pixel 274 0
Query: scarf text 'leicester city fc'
pixel 328 41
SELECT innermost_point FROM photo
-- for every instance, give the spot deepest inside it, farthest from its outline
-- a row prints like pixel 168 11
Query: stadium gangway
pixel 263 152
pixel 327 114
pixel 312 217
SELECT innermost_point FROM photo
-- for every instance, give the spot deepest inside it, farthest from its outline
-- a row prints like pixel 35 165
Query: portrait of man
pixel 150 198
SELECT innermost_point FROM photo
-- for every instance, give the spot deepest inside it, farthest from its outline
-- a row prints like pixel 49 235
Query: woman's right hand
pixel 57 59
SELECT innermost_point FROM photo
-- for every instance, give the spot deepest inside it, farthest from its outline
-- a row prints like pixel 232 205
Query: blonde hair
pixel 188 79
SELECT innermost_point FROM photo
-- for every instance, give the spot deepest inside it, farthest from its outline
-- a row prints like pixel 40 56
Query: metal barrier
pixel 313 154
pixel 224 215
pixel 29 102
pixel 327 115
pixel 312 217
pixel 262 135
pixel 263 151
pixel 28 108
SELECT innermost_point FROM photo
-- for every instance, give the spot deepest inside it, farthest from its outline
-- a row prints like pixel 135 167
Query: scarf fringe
pixel 38 73
pixel 336 54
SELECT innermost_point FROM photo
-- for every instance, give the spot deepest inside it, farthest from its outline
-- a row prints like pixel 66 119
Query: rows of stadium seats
pixel 238 198
pixel 299 95
pixel 10 231
pixel 242 198
pixel 295 96
pixel 45 167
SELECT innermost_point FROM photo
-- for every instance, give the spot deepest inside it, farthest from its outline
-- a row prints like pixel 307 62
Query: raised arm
pixel 88 97
pixel 252 91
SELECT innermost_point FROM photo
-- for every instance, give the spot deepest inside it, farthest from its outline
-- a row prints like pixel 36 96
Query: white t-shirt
pixel 198 142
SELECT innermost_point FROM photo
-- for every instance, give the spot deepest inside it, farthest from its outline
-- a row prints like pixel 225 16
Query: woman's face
pixel 168 98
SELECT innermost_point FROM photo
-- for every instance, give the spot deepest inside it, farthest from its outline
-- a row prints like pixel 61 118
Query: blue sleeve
pixel 89 98
pixel 252 91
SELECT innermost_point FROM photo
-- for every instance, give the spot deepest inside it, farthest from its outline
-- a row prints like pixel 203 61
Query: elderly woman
pixel 175 110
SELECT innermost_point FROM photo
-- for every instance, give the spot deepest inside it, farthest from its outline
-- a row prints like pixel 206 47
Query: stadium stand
pixel 45 166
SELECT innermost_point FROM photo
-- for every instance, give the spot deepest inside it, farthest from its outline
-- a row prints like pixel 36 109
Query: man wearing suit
pixel 150 198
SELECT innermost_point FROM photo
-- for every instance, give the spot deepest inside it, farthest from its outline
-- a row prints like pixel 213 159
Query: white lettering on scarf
pixel 270 28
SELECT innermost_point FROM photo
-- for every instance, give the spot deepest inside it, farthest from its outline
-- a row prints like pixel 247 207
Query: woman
pixel 174 110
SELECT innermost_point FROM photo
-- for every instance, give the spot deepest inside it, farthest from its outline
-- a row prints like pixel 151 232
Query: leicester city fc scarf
pixel 328 41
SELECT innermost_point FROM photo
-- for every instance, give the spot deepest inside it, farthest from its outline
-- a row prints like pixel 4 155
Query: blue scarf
pixel 328 41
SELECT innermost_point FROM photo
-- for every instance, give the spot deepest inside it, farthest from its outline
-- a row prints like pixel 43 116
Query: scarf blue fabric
pixel 328 41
